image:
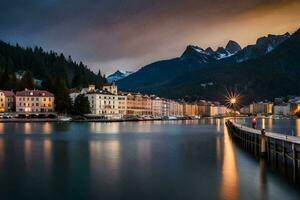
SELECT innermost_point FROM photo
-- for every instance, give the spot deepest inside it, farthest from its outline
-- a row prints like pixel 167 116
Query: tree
pixel 63 103
pixel 4 80
pixel 27 80
pixel 81 105
pixel 47 84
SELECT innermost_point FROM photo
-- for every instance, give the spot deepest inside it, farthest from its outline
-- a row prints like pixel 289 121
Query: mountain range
pixel 118 75
pixel 264 70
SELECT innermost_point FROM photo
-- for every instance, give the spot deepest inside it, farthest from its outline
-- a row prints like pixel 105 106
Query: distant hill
pixel 265 70
pixel 46 65
pixel 118 75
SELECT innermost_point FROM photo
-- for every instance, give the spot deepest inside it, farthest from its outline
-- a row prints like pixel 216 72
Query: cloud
pixel 131 33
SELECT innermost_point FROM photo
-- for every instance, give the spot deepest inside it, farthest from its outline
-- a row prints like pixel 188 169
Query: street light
pixel 233 100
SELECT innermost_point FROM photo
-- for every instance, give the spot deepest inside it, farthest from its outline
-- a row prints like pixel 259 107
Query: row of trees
pixel 56 72
pixel 46 65
pixel 58 87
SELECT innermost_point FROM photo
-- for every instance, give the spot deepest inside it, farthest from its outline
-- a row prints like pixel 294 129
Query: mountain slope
pixel 266 75
pixel 273 75
pixel 158 73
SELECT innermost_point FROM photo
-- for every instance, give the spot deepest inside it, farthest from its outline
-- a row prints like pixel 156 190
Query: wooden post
pixel 263 143
pixel 276 153
pixel 284 157
pixel 295 163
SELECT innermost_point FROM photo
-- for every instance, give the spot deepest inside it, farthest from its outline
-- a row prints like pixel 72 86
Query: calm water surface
pixel 134 160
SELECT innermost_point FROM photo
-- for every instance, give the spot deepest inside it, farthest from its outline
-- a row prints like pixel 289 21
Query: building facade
pixel 157 105
pixel 7 101
pixel 282 109
pixel 103 103
pixel 261 108
pixel 34 101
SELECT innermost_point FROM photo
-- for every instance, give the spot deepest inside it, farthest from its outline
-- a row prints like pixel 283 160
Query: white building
pixel 112 88
pixel 282 109
pixel 122 104
pixel 103 103
pixel 76 92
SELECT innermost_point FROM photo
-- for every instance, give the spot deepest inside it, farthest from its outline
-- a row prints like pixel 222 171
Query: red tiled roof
pixel 8 93
pixel 35 93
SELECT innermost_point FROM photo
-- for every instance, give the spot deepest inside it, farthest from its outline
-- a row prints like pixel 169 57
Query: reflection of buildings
pixel 47 128
pixel 230 179
pixel 297 127
pixel 104 127
pixel 144 153
pixel 105 160
pixel 28 128
pixel 47 152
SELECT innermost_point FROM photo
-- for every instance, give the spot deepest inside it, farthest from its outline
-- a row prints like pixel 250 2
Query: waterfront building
pixel 134 104
pixel 75 92
pixel 203 108
pixel 111 87
pixel 34 101
pixel 157 106
pixel 176 109
pixel 122 104
pixel 282 109
pixel 190 109
pixel 213 110
pixel 294 105
pixel 165 107
pixel 146 105
pixel 103 103
pixel 7 101
pixel 222 110
pixel 245 110
pixel 261 108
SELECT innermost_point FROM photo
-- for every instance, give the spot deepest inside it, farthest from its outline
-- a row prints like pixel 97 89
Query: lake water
pixel 134 160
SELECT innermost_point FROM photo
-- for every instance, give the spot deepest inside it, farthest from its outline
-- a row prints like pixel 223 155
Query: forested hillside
pixel 46 66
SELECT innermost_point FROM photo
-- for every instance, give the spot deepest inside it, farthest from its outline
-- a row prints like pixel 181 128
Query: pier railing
pixel 281 150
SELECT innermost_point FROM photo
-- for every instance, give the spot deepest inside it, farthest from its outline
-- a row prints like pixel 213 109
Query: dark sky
pixel 127 34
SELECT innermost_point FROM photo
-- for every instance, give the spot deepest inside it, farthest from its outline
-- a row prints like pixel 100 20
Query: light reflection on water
pixel 230 179
pixel 174 159
pixel 298 127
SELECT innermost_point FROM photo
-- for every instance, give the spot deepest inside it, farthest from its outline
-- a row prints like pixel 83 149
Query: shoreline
pixel 35 120
pixel 94 120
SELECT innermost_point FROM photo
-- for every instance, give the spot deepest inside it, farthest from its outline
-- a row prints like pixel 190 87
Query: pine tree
pixel 27 81
pixel 63 103
pixel 81 105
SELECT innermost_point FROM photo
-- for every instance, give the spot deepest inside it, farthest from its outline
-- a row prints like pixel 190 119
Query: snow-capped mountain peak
pixel 118 75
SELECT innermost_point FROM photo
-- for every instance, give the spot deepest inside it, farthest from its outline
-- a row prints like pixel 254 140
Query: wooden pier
pixel 278 149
